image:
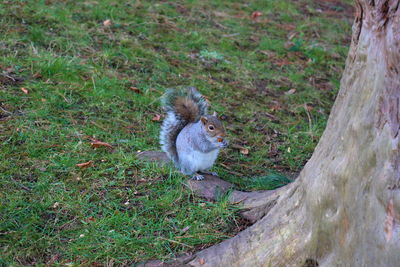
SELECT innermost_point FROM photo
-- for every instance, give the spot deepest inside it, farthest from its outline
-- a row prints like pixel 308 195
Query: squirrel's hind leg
pixel 198 177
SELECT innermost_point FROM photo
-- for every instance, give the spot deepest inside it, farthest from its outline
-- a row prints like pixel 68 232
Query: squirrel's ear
pixel 204 120
pixel 215 114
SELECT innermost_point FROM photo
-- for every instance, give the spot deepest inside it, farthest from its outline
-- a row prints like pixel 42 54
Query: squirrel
pixel 189 136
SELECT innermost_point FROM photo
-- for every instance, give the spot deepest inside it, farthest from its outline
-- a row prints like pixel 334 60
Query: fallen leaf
pixel 282 62
pixel 156 117
pixel 136 90
pixel 292 35
pixel 221 14
pixel 272 117
pixel 53 259
pixel 256 14
pixel 97 144
pixel 289 44
pixel 290 92
pixel 107 23
pixel 243 150
pixel 308 107
pixel 9 70
pixel 273 150
pixel 268 53
pixel 185 229
pixel 24 90
pixel 37 75
pixel 255 38
pixel 91 218
pixel 276 106
pixel 287 27
pixel 85 164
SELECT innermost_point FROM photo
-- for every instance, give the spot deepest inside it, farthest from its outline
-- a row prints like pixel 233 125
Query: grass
pixel 272 79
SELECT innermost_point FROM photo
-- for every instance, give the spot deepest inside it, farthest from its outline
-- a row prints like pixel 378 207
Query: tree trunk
pixel 344 209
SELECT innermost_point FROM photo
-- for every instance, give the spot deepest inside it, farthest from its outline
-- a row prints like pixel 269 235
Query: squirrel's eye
pixel 211 128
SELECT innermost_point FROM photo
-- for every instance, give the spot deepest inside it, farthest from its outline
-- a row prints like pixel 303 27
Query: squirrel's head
pixel 214 130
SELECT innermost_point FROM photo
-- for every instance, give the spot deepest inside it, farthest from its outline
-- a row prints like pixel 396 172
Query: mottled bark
pixel 344 209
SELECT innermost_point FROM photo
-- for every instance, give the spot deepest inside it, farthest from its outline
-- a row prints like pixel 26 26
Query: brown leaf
pixel 156 117
pixel 389 222
pixel 24 90
pixel 309 107
pixel 91 218
pixel 243 150
pixel 273 150
pixel 292 35
pixel 256 14
pixel 290 92
pixel 282 62
pixel 289 44
pixel 276 106
pixel 97 144
pixel 9 70
pixel 107 23
pixel 221 14
pixel 185 229
pixel 136 90
pixel 287 27
pixel 255 38
pixel 53 259
pixel 85 164
pixel 268 53
pixel 272 117
pixel 37 75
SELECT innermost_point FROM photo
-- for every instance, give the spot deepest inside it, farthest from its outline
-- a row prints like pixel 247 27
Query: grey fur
pixel 174 122
pixel 186 142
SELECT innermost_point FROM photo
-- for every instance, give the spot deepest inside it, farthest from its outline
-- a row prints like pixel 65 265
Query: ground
pixel 74 74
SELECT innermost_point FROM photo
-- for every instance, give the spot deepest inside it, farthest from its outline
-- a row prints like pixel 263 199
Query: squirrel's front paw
pixel 198 177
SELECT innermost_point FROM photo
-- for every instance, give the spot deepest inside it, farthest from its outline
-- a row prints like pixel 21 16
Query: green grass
pixel 272 80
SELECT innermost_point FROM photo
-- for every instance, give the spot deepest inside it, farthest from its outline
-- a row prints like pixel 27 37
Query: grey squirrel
pixel 189 136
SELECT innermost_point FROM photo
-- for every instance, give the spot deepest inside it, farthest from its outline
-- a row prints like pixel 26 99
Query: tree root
pixel 253 205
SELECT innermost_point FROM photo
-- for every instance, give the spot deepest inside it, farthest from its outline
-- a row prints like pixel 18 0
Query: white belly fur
pixel 200 161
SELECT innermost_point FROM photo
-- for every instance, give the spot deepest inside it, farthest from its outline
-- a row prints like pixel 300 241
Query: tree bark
pixel 344 209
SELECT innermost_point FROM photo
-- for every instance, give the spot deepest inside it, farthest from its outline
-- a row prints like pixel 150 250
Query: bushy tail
pixel 182 106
